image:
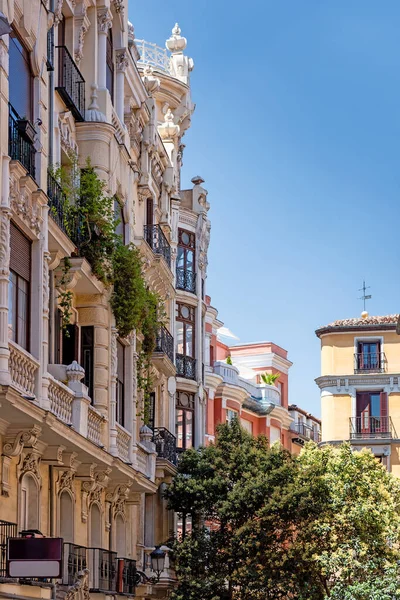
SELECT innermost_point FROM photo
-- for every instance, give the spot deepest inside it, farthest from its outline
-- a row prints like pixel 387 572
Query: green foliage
pixel 65 296
pixel 228 360
pixel 322 525
pixel 269 378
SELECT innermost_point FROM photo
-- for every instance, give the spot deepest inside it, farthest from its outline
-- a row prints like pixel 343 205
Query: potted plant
pixel 269 378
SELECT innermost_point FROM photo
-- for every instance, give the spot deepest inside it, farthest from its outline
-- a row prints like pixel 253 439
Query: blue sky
pixel 296 133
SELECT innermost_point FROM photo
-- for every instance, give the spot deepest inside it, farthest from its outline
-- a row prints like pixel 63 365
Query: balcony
pixel 185 366
pixel 185 280
pixel 7 530
pixel 21 135
pixel 127 576
pixel 304 433
pixel 102 566
pixel 165 343
pixel 165 443
pixel 57 203
pixel 153 55
pixel 229 373
pixel 23 369
pixel 74 560
pixel 369 363
pixel 71 84
pixel 262 393
pixel 367 427
pixel 154 236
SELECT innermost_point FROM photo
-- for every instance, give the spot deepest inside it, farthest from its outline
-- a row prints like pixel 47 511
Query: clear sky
pixel 296 133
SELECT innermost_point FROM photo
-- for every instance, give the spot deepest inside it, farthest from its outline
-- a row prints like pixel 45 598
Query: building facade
pixel 235 388
pixel 359 383
pixel 77 459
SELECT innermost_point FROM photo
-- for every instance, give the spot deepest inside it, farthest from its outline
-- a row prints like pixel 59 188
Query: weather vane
pixel 365 297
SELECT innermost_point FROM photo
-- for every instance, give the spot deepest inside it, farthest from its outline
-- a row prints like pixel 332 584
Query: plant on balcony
pixel 65 295
pixel 228 360
pixel 324 524
pixel 269 378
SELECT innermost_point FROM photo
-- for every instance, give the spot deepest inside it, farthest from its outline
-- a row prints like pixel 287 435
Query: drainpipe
pixel 51 93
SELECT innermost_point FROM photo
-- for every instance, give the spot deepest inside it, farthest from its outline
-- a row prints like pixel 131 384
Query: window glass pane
pixel 179 428
pixel 119 217
pixel 230 415
pixel 189 260
pixel 110 65
pixel 179 337
pixel 180 260
pixel 189 429
pixel 20 79
pixel 189 340
pixel 22 327
pixel 12 310
pixel 375 405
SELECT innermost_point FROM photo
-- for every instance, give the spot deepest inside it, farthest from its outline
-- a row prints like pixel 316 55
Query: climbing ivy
pixel 65 295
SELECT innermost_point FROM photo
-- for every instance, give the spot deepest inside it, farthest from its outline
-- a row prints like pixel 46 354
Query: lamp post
pixel 157 558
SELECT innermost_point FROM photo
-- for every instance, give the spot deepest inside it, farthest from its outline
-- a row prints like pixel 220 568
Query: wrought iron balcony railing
pixel 185 366
pixel 165 343
pixel 305 432
pixel 74 560
pixel 71 84
pixel 127 576
pixel 20 141
pixel 7 530
pixel 154 236
pixel 366 427
pixel 374 362
pixel 165 443
pixel 103 570
pixel 185 280
pixel 57 201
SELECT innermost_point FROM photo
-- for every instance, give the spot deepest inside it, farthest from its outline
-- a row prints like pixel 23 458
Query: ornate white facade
pixel 76 461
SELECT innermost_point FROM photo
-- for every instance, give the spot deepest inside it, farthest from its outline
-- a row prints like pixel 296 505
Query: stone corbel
pixel 82 25
pixel 53 455
pixel 120 10
pixel 143 192
pixel 14 444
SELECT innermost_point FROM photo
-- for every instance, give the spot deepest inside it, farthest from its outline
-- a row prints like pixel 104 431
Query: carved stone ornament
pixel 66 126
pixel 119 6
pixel 114 360
pixel 121 60
pixel 66 481
pixel 143 193
pixel 46 291
pixel 30 464
pixel 91 491
pixel 25 204
pixel 104 20
pixel 118 498
pixel 58 12
pixel 14 446
pixel 81 40
pixel 4 241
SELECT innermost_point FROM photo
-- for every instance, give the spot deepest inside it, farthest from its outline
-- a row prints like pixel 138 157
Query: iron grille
pixel 75 560
pixel 127 578
pixel 71 84
pixel 185 366
pixel 165 443
pixel 20 146
pixel 7 530
pixel 154 236
pixel 165 343
pixel 365 426
pixel 372 362
pixel 185 280
pixel 103 569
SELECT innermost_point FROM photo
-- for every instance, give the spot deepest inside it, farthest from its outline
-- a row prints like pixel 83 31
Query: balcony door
pixel 372 412
pixel 369 354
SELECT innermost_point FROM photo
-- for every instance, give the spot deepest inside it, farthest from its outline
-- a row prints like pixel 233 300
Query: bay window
pixel 184 420
pixel 19 288
pixel 185 261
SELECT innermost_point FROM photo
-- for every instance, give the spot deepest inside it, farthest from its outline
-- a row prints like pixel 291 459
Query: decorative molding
pixel 66 126
pixel 92 490
pixel 66 482
pixel 30 463
pixel 5 214
pixel 80 589
pixel 104 20
pixel 14 445
pixel 25 203
pixel 58 16
pixel 121 60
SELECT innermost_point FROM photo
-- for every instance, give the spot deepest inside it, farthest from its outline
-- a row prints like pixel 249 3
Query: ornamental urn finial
pixel 176 43
pixel 168 129
pixel 364 314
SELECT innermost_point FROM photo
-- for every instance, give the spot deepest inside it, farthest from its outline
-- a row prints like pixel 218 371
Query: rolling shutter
pixel 20 255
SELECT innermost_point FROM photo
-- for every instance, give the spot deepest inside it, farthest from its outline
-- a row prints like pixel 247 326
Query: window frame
pixel 189 321
pixel 110 68
pixel 120 386
pixel 14 271
pixel 190 408
pixel 189 247
pixel 26 57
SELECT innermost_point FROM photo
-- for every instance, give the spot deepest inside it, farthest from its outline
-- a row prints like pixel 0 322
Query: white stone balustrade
pixel 153 55
pixel 261 392
pixel 229 373
pixel 61 400
pixel 95 426
pixel 23 368
pixel 123 443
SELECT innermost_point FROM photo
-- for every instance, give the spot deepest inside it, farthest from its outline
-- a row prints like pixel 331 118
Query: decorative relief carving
pixel 25 204
pixel 15 445
pixel 66 481
pixel 114 360
pixel 46 291
pixel 81 40
pixel 92 490
pixel 5 241
pixel 118 497
pixel 104 20
pixel 119 6
pixel 30 464
pixel 143 193
pixel 58 16
pixel 121 60
pixel 80 589
pixel 66 126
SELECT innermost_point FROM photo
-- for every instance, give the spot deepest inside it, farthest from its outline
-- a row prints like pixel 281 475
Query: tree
pixel 269 378
pixel 268 525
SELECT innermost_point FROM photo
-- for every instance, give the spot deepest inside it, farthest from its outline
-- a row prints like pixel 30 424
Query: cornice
pixel 338 329
pixel 346 381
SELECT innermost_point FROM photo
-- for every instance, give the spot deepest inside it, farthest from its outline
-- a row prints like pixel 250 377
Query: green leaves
pixel 269 378
pixel 267 525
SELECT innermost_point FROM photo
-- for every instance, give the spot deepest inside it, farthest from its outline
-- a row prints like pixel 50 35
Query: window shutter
pixel 384 405
pixel 20 255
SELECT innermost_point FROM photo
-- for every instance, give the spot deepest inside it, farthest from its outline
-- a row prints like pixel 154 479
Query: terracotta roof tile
pixel 360 322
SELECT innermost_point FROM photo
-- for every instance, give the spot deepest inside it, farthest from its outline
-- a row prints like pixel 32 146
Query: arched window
pixel 95 527
pixel 110 65
pixel 66 517
pixel 120 533
pixel 29 505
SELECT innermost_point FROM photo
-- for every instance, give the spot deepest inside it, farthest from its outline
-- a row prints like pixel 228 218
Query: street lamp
pixel 4 25
pixel 157 558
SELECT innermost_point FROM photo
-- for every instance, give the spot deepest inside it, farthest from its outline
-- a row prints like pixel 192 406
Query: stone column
pixel 135 357
pixel 113 397
pixel 5 214
pixel 121 64
pixel 104 22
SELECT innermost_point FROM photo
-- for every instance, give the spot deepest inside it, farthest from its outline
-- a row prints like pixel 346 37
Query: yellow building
pixel 360 385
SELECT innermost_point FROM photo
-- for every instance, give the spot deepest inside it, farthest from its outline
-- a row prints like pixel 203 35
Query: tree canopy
pixel 268 525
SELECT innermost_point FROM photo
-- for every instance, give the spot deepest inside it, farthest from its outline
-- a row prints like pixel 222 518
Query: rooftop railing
pixel 153 55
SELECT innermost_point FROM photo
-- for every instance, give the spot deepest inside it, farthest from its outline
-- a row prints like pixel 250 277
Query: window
pixel 247 425
pixel 21 79
pixel 110 64
pixel 29 505
pixel 120 531
pixel 185 262
pixel 87 357
pixel 185 322
pixel 369 356
pixel 66 517
pixel 119 217
pixel 120 417
pixel 95 527
pixel 152 410
pixel 230 415
pixel 372 413
pixel 19 288
pixel 184 420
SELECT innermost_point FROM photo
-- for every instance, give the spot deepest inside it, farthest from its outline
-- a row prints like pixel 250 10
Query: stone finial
pixel 75 372
pixel 131 33
pixel 151 83
pixel 168 130
pixel 93 113
pixel 197 180
pixel 145 434
pixel 176 43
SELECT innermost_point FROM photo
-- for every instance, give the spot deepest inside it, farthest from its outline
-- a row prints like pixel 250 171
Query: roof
pixel 304 412
pixel 370 323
